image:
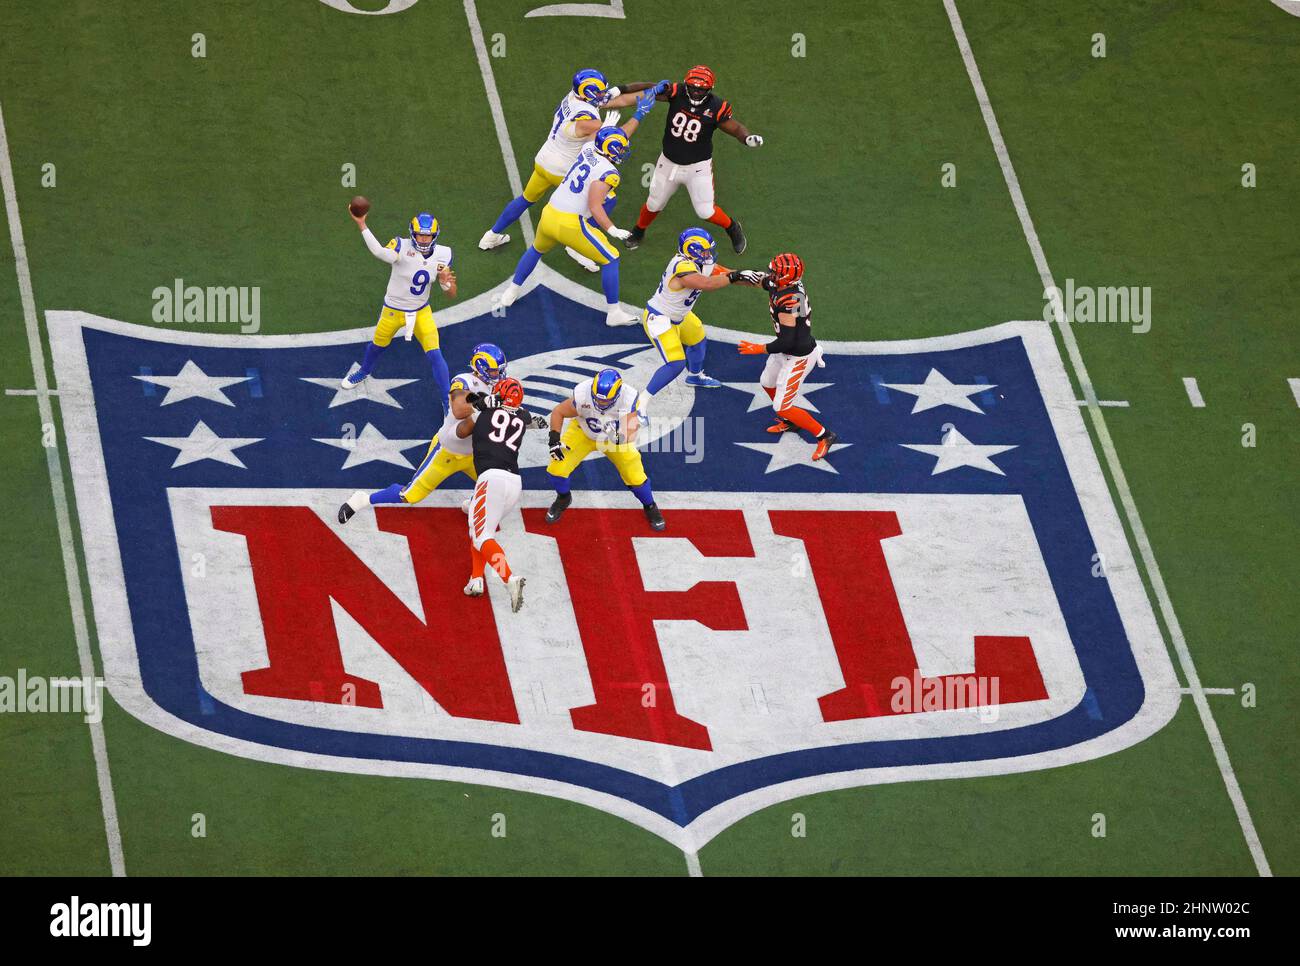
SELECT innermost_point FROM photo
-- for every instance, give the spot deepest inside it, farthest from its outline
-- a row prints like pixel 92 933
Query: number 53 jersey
pixel 590 167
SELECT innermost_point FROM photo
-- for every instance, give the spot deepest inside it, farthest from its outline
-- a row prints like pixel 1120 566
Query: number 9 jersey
pixel 413 274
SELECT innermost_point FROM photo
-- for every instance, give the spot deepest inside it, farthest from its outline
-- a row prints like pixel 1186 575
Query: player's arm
pixel 460 407
pixel 565 410
pixel 626 95
pixel 748 276
pixel 783 342
pixel 447 280
pixel 644 104
pixel 379 251
pixel 465 427
pixel 705 283
pixel 596 195
pixel 741 133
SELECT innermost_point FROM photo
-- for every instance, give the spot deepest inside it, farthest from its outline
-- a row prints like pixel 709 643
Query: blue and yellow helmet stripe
pixel 488 362
pixel 424 224
pixel 613 143
pixel 605 387
pixel 590 85
pixel 697 245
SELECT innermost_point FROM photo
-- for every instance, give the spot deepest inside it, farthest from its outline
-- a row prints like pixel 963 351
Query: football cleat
pixel 605 388
pixel 786 269
pixel 562 501
pixel 516 587
pixel 492 240
pixel 582 260
pixel 507 298
pixel 355 502
pixel 613 143
pixel 700 381
pixel 737 235
pixel 424 225
pixel 634 239
pixel 353 379
pixel 697 245
pixel 591 86
pixel 475 587
pixel 781 425
pixel 653 515
pixel 510 392
pixel 699 84
pixel 824 444
pixel 617 317
pixel 488 362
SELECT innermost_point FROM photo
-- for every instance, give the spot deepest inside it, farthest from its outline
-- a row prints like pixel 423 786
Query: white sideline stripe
pixel 512 171
pixel 1193 392
pixel 1112 403
pixel 30 392
pixel 1208 691
pixel 1295 389
pixel 70 568
pixel 498 115
pixel 1112 459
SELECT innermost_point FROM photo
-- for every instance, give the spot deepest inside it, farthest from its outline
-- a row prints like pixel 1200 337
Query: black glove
pixel 540 421
pixel 558 449
pixel 483 401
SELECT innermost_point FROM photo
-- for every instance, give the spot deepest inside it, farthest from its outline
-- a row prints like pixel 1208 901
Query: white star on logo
pixel 203 444
pixel 372 446
pixel 937 390
pixel 762 399
pixel 193 383
pixel 374 390
pixel 792 450
pixel 956 450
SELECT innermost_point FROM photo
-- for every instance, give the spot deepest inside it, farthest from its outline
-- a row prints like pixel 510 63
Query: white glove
pixel 611 118
pixel 612 93
pixel 622 234
pixel 754 141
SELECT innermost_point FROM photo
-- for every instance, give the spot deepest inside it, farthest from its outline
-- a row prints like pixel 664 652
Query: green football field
pixel 931 171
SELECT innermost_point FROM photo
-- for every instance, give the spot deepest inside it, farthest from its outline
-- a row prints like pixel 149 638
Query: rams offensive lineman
pixel 606 412
pixel 580 200
pixel 694 112
pixel 416 263
pixel 793 353
pixel 577 119
pixel 448 453
pixel 669 320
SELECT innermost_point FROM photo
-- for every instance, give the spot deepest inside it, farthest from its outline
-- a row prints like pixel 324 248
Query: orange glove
pixel 752 348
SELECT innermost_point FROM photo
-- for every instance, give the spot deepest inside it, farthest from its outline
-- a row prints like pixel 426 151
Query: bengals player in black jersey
pixel 497 429
pixel 694 113
pixel 794 352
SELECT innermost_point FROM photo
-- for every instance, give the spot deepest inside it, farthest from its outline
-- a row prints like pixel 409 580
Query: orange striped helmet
pixel 699 83
pixel 510 391
pixel 786 268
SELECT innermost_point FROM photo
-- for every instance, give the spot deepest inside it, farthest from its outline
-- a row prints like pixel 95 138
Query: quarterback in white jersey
pixel 605 413
pixel 448 453
pixel 575 123
pixel 416 263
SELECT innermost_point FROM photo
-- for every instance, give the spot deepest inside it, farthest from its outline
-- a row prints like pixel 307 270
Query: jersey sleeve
pixel 724 112
pixel 458 384
pixel 385 253
pixel 571 127
pixel 611 178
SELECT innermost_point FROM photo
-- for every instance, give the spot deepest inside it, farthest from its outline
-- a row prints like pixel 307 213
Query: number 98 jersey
pixel 688 134
pixel 498 434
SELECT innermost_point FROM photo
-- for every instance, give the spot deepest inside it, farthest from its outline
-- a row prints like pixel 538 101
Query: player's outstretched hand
pixel 754 141
pixel 557 448
pixel 622 234
pixel 539 421
pixel 644 104
pixel 662 87
pixel 751 348
pixel 359 219
pixel 746 276
pixel 483 401
pixel 612 118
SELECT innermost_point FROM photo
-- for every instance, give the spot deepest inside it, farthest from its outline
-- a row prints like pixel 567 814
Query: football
pixel 359 206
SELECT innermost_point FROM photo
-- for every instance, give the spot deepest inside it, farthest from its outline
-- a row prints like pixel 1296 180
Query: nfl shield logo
pixel 949 593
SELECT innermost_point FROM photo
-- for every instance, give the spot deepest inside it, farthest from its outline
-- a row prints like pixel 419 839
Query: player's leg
pixel 543 241
pixel 495 494
pixel 694 343
pixel 586 238
pixel 426 331
pixel 665 337
pixel 576 255
pixel 700 186
pixel 794 371
pixel 577 447
pixel 538 183
pixel 390 323
pixel 437 466
pixel 768 380
pixel 627 460
pixel 662 187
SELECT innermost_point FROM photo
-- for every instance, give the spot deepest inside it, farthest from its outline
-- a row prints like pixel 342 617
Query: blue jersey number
pixel 584 171
pixel 419 282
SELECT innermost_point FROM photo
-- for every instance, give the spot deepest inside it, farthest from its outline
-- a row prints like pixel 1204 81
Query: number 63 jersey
pixel 498 434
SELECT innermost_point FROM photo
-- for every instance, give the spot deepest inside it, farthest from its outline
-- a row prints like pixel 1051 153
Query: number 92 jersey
pixel 414 275
pixel 498 434
pixel 590 167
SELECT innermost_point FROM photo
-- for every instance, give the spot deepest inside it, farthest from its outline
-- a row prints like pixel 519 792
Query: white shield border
pixel 117 640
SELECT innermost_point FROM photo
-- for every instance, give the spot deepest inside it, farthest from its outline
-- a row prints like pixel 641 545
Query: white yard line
pixel 70 568
pixel 1109 403
pixel 498 115
pixel 1112 459
pixel 1193 392
pixel 30 392
pixel 512 172
pixel 1295 389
